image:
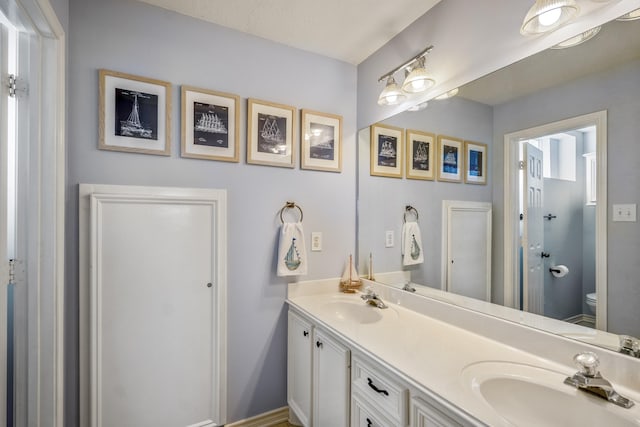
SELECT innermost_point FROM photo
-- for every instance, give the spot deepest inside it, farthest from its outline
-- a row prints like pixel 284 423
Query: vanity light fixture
pixel 447 95
pixel 547 15
pixel 631 16
pixel 391 94
pixel 576 40
pixel 417 80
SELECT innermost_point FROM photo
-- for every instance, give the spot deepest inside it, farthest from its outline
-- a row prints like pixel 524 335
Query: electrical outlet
pixel 389 238
pixel 624 213
pixel 316 241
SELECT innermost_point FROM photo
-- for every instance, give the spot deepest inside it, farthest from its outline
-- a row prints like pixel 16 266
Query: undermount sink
pixel 355 311
pixel 524 395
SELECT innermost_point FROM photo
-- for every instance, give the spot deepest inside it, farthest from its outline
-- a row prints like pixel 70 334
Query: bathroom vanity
pixel 424 362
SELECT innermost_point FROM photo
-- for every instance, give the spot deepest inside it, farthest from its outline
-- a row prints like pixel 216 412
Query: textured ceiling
pixel 348 30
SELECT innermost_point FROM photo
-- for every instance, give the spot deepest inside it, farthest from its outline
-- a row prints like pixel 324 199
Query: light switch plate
pixel 624 213
pixel 316 241
pixel 389 238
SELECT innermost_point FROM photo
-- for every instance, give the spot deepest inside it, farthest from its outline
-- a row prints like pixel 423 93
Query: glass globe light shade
pixel 391 94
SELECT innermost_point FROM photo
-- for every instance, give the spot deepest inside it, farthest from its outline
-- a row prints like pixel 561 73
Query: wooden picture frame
pixel 450 159
pixel 387 150
pixel 321 141
pixel 134 114
pixel 420 154
pixel 271 134
pixel 210 124
pixel 475 165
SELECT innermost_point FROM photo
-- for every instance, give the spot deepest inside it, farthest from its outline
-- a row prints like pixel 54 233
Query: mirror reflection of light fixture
pixel 576 40
pixel 418 107
pixel 547 15
pixel 447 95
pixel 391 94
pixel 631 16
pixel 417 80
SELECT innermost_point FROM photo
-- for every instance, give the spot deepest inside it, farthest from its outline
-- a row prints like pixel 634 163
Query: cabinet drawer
pixel 383 393
pixel 364 416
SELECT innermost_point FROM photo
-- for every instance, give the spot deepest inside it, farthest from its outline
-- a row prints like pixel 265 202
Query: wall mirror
pixel 565 106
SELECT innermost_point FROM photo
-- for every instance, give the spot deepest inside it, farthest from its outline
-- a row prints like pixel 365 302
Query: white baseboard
pixel 267 419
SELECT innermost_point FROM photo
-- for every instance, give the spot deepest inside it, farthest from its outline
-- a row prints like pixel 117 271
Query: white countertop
pixel 426 351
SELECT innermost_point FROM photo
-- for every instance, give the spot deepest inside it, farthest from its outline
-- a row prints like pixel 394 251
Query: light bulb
pixel 550 17
pixel 392 99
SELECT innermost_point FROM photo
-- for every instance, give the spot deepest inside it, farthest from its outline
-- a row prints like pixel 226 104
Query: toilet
pixel 591 302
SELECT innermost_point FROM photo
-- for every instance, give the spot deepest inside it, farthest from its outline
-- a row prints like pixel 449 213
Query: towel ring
pixel 409 209
pixel 290 205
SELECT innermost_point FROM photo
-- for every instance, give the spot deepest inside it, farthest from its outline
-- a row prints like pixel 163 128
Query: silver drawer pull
pixel 376 389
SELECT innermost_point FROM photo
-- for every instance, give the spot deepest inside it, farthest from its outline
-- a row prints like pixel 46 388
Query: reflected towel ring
pixel 410 209
pixel 290 205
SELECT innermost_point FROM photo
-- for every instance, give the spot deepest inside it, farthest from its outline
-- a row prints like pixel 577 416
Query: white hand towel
pixel 292 256
pixel 412 252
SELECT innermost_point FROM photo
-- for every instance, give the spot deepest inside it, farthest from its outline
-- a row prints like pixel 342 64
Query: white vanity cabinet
pixel 317 375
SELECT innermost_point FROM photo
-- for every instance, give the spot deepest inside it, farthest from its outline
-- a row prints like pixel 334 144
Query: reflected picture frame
pixel 420 154
pixel 321 141
pixel 387 151
pixel 450 159
pixel 475 165
pixel 210 124
pixel 271 134
pixel 134 114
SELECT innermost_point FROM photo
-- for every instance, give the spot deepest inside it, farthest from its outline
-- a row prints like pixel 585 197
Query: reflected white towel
pixel 412 252
pixel 292 256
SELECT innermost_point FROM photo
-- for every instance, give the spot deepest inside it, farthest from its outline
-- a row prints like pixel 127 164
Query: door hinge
pixel 15 86
pixel 521 165
pixel 12 272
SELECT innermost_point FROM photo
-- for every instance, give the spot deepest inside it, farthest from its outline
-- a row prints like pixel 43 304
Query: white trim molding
pixel 511 240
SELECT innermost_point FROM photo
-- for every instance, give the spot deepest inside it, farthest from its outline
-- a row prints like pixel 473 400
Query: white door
pixel 467 240
pixel 331 381
pixel 156 319
pixel 533 232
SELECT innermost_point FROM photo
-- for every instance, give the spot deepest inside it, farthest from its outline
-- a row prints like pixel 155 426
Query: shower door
pixel 533 232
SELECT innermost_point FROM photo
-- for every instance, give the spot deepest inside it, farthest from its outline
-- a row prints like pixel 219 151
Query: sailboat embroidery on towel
pixel 292 258
pixel 415 248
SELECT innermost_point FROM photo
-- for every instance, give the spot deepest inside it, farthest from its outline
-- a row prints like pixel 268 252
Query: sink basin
pixel 524 395
pixel 355 311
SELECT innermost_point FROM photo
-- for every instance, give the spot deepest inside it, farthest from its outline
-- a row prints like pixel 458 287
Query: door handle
pixel 545 255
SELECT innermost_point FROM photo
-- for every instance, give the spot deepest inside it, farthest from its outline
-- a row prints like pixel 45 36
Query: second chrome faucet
pixel 372 298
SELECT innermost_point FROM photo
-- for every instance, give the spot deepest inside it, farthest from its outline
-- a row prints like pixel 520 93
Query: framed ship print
pixel 475 166
pixel 321 142
pixel 210 123
pixel 135 114
pixel 421 148
pixel 270 134
pixel 450 157
pixel 387 147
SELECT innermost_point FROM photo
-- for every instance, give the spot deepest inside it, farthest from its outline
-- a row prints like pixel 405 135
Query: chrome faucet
pixel 372 298
pixel 630 345
pixel 407 287
pixel 590 380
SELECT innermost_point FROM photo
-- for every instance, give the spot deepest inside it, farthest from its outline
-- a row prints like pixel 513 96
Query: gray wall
pixel 381 200
pixel 563 240
pixel 616 91
pixel 132 37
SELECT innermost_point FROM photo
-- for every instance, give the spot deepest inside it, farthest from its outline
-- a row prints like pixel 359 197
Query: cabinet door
pixel 425 414
pixel 331 381
pixel 299 368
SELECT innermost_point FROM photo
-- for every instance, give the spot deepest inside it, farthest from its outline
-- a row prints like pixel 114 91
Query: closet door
pixel 155 317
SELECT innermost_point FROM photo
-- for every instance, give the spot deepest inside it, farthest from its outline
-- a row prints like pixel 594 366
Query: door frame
pixel 511 209
pixel 219 198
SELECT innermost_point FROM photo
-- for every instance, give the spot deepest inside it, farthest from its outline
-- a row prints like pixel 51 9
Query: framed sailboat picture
pixel 135 114
pixel 321 142
pixel 450 158
pixel 210 123
pixel 271 134
pixel 421 148
pixel 475 166
pixel 387 149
